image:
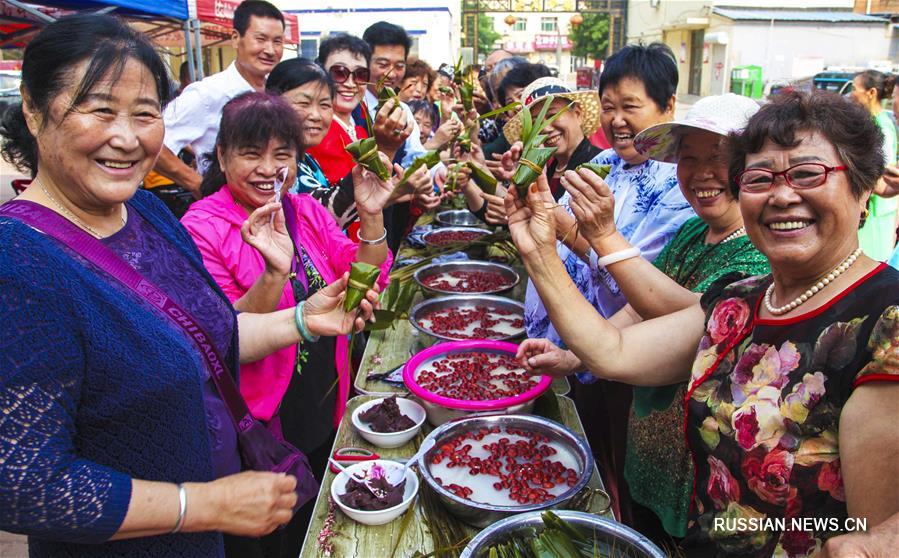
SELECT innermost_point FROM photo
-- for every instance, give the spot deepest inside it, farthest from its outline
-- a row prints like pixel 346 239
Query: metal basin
pixel 467 265
pixel 430 234
pixel 463 301
pixel 480 514
pixel 624 541
pixel 457 218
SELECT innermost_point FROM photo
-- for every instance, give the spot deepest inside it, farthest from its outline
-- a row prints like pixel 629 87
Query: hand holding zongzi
pixel 324 314
pixel 592 203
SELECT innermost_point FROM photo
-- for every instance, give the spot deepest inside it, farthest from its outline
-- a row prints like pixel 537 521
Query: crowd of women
pixel 719 299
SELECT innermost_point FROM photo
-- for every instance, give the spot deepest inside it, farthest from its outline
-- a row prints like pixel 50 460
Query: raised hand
pixel 532 222
pixel 423 189
pixel 542 356
pixel 496 209
pixel 391 127
pixel 324 314
pixel 592 203
pixel 371 193
pixel 269 237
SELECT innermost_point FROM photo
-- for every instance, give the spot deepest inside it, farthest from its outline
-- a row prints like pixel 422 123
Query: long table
pixel 387 350
pixel 404 536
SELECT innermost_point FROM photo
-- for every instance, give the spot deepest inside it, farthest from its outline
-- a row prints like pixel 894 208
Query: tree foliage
pixel 487 36
pixel 590 39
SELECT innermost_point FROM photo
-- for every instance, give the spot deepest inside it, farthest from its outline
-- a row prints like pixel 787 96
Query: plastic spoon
pixel 427 445
pixel 377 493
pixel 280 178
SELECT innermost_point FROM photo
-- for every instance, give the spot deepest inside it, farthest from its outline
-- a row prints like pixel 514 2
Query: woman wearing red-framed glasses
pixel 792 376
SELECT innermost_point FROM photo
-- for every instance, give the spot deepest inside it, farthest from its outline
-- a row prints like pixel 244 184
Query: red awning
pixel 221 12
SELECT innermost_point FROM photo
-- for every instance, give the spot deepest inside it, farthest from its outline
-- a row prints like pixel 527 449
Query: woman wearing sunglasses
pixel 792 376
pixel 346 59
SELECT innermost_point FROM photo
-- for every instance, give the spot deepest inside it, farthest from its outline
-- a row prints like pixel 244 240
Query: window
pixel 521 24
pixel 309 48
pixel 549 24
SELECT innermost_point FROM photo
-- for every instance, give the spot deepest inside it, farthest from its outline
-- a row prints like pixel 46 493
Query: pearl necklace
pixel 827 279
pixel 71 215
pixel 736 234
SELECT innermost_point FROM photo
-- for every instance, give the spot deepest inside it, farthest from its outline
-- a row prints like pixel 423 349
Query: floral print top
pixel 763 410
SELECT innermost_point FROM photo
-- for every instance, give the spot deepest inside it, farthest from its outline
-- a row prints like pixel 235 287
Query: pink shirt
pixel 214 223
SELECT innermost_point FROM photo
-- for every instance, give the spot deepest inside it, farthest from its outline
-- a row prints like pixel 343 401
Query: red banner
pixel 221 12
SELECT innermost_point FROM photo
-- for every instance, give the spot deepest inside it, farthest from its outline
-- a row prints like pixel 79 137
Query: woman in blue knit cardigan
pixel 113 439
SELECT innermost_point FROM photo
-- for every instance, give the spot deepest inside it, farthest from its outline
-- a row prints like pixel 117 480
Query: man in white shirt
pixel 192 119
pixel 390 46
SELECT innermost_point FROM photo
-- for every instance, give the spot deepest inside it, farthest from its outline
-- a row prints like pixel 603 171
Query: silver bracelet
pixel 182 511
pixel 383 238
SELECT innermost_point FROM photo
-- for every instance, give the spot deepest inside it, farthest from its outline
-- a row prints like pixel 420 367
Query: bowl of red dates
pixel 466 277
pixel 455 379
pixel 445 237
pixel 460 318
pixel 490 467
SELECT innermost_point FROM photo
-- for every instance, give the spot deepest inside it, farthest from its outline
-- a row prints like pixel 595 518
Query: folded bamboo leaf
pixel 452 175
pixel 362 278
pixel 464 142
pixel 601 171
pixel 530 165
pixel 466 91
pixel 445 90
pixel 485 181
pixel 365 152
pixel 428 160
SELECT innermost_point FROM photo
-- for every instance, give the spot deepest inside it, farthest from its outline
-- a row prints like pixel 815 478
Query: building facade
pixel 433 25
pixel 788 39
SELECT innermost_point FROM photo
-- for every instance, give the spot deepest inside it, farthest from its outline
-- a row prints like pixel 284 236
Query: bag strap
pixel 54 225
pixel 290 221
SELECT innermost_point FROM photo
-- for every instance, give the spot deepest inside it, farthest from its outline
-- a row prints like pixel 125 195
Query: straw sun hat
pixel 719 114
pixel 587 100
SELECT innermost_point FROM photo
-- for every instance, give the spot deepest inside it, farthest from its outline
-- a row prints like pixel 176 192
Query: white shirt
pixel 413 145
pixel 193 117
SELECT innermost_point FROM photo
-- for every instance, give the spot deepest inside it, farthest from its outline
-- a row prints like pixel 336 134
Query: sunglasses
pixel 340 73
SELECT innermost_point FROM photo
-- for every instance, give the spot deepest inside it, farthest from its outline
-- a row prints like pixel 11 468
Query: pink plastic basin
pixel 452 347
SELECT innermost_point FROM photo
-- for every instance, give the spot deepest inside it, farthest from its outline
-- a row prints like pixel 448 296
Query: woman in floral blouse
pixel 657 466
pixel 790 366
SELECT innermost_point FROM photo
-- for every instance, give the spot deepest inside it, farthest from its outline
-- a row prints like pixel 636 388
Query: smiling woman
pixel 636 91
pixel 115 429
pixel 278 267
pixel 781 370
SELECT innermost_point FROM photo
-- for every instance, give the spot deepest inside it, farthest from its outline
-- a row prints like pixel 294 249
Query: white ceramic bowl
pixel 390 439
pixel 380 517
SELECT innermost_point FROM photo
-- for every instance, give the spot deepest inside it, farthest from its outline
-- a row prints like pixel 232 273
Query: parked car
pixel 837 82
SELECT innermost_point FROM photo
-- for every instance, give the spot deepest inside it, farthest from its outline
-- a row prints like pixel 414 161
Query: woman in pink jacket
pixel 304 386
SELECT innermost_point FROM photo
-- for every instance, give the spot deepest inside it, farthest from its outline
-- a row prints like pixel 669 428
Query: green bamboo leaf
pixel 552 118
pixel 485 181
pixel 496 112
pixel 383 320
pixel 601 171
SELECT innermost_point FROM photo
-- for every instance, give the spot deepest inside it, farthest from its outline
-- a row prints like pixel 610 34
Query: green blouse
pixel 658 467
